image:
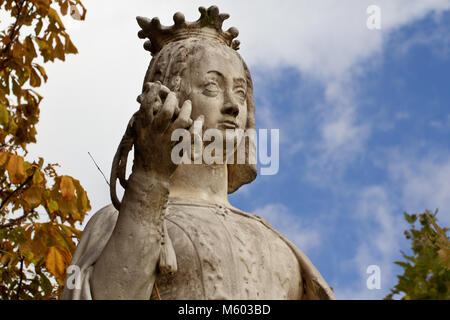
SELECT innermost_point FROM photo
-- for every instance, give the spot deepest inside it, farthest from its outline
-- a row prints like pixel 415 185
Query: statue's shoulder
pixel 314 285
pixel 254 217
pixel 105 215
pixel 95 235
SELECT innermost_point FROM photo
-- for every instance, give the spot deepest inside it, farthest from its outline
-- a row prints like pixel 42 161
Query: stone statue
pixel 174 235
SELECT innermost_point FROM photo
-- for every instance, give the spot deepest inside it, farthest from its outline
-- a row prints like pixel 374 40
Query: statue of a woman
pixel 175 235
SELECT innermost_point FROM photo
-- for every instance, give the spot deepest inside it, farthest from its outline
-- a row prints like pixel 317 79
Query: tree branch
pixel 16 220
pixel 13 34
pixel 21 279
pixel 14 31
pixel 18 188
pixel 98 168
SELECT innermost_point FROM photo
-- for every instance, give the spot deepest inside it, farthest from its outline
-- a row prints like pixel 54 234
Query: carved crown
pixel 208 26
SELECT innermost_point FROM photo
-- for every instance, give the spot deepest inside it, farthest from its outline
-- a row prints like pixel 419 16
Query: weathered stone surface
pixel 174 226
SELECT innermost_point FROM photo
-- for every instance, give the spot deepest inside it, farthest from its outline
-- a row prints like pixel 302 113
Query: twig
pixel 18 188
pixel 98 168
pixel 14 221
pixel 13 29
pixel 20 281
pixel 156 291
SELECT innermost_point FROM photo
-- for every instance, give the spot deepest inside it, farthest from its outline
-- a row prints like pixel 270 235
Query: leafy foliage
pixel 38 208
pixel 427 272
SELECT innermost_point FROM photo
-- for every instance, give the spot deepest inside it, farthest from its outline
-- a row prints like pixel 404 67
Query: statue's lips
pixel 228 124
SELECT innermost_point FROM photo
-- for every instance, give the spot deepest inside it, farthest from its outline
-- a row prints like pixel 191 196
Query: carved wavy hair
pixel 168 67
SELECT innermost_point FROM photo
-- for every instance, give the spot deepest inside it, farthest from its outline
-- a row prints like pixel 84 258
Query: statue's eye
pixel 211 88
pixel 241 93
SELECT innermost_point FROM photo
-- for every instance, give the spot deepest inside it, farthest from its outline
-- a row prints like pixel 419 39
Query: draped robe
pixel 222 253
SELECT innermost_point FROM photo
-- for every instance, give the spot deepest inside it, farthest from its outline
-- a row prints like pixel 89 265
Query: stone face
pixel 174 228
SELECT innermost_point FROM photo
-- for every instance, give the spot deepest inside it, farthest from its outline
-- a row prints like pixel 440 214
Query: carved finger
pixel 183 120
pixel 197 126
pixel 163 117
pixel 196 131
pixel 163 91
pixel 150 100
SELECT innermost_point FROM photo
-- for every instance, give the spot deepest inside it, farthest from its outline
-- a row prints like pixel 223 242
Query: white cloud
pixel 290 225
pixel 434 37
pixel 424 181
pixel 441 124
pixel 416 183
pixel 380 229
pixel 342 134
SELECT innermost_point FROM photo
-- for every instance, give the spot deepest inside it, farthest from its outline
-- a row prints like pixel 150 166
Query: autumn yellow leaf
pixel 17 50
pixel 69 210
pixel 35 80
pixel 42 43
pixel 71 231
pixel 82 199
pixel 75 13
pixel 12 126
pixel 16 88
pixel 59 49
pixel 64 7
pixel 42 4
pixel 41 71
pixel 3 158
pixel 29 47
pixel 52 205
pixel 444 255
pixel 53 15
pixel 37 177
pixel 67 188
pixel 16 169
pixel 54 262
pixel 4 115
pixel 69 46
pixel 39 243
pixel 33 196
pixel 4 260
pixel 38 27
pixel 32 251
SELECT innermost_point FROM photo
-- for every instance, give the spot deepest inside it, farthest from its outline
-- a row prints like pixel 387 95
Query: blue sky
pixel 364 118
pixel 404 99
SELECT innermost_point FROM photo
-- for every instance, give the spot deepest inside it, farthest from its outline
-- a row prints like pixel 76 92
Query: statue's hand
pixel 158 116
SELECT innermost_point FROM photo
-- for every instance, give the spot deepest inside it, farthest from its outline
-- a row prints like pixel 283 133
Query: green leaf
pixel 410 218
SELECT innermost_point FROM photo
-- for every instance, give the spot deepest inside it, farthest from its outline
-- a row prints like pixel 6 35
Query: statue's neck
pixel 200 182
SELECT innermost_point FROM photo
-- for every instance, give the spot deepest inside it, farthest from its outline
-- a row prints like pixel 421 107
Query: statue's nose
pixel 230 106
